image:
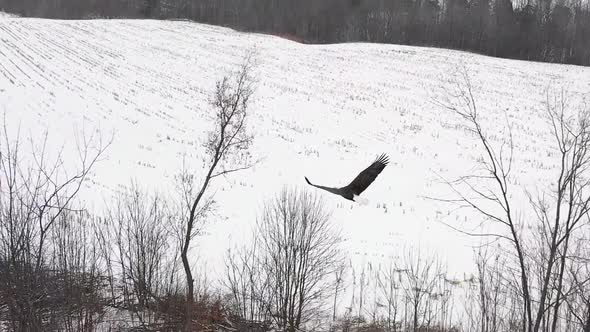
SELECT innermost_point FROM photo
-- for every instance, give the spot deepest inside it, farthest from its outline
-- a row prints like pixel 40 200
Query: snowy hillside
pixel 321 111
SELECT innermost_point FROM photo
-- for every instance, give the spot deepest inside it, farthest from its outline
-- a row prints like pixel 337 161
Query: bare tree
pixel 135 242
pixel 362 283
pixel 36 192
pixel 577 279
pixel 558 212
pixel 339 275
pixel 227 152
pixel 247 283
pixel 300 249
pixel 488 300
pixel 422 274
pixel 390 286
pixel 77 273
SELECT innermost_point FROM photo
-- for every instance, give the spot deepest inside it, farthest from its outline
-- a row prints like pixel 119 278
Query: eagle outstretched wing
pixel 366 177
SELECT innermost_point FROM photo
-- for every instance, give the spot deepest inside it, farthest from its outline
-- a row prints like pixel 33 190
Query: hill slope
pixel 323 111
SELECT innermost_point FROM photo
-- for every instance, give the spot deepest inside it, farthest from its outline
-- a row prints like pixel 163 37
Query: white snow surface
pixel 7 15
pixel 322 111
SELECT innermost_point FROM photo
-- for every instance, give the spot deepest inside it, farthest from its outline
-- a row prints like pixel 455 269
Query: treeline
pixel 540 30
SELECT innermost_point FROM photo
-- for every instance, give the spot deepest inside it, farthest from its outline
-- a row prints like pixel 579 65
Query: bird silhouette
pixel 360 183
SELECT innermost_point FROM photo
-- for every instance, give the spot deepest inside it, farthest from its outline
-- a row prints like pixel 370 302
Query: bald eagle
pixel 360 183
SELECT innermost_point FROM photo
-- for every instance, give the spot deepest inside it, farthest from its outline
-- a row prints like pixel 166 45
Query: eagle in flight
pixel 360 183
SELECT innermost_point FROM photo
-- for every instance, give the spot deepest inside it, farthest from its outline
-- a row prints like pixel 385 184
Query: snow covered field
pixel 7 15
pixel 322 111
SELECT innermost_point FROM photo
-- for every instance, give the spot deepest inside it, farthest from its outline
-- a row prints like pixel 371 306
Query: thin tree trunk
pixel 560 282
pixel 190 286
